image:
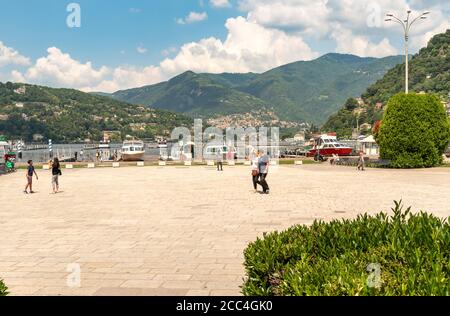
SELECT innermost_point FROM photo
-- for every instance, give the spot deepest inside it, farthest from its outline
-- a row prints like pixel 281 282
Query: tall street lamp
pixel 406 24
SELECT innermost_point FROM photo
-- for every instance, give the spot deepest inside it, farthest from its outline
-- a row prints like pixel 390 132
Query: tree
pixel 351 104
pixel 415 131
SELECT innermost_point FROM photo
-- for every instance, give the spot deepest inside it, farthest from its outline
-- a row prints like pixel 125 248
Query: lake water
pixel 69 150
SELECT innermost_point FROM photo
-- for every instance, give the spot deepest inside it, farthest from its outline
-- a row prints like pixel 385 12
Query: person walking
pixel 219 159
pixel 361 161
pixel 255 170
pixel 30 172
pixel 263 165
pixel 56 172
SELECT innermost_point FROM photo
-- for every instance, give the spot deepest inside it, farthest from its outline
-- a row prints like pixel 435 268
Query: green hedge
pixel 413 252
pixel 415 131
pixel 3 289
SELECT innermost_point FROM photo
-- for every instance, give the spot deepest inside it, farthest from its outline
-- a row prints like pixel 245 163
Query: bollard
pixel 116 165
pixel 69 166
pixel 298 163
pixel 91 165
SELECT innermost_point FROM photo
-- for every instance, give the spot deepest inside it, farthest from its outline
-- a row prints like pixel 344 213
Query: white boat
pixel 104 145
pixel 133 150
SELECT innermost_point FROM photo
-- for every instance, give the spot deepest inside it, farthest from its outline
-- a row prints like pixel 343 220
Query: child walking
pixel 30 173
pixel 56 172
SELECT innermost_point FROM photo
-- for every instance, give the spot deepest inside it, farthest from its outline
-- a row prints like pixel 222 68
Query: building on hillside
pixel 299 137
pixel 109 136
pixel 21 90
pixel 360 101
pixel 38 137
pixel 365 127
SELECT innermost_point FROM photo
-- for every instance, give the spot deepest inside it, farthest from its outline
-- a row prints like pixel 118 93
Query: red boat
pixel 327 145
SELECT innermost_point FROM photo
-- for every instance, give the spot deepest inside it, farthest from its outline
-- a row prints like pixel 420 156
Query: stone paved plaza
pixel 177 230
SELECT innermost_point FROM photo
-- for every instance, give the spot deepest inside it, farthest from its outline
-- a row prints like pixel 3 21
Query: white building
pixel 369 146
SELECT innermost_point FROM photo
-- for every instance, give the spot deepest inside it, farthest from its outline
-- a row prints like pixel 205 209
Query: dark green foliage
pixel 66 115
pixel 429 72
pixel 351 104
pixel 302 91
pixel 415 131
pixel 332 259
pixel 3 289
pixel 343 123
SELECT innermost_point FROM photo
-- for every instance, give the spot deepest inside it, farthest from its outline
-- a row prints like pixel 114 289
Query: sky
pixel 103 45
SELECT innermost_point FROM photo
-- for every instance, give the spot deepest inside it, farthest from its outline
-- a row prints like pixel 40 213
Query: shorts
pixel 30 179
pixel 55 179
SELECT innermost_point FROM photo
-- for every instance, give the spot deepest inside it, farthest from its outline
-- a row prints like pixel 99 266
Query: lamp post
pixel 406 24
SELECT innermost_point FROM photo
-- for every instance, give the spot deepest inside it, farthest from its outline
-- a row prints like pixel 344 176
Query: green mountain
pixel 194 94
pixel 429 72
pixel 66 115
pixel 298 92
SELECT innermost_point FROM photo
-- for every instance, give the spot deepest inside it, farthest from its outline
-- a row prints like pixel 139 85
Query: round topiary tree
pixel 415 131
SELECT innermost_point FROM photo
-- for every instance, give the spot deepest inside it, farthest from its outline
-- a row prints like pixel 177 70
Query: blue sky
pixel 123 44
pixel 108 28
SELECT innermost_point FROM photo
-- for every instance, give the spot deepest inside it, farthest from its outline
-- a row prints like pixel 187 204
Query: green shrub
pixel 412 250
pixel 415 131
pixel 3 289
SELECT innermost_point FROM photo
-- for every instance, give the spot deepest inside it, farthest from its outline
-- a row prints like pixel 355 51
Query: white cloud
pixel 60 70
pixel 9 56
pixel 248 47
pixel 220 3
pixel 141 50
pixel 169 51
pixel 193 17
pixel 359 23
pixel 273 33
pixel 359 45
pixel 135 10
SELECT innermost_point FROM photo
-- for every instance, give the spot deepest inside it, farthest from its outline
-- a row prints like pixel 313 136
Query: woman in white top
pixel 255 170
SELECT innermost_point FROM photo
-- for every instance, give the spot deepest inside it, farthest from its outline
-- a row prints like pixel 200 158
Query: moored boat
pixel 327 145
pixel 133 150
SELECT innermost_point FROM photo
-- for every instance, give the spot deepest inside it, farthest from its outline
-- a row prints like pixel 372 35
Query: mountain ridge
pixel 68 115
pixel 304 91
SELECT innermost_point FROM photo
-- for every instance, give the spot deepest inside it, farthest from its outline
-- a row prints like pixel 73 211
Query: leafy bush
pixel 413 252
pixel 415 131
pixel 3 289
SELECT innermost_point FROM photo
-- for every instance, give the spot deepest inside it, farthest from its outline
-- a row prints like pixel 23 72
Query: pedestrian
pixel 361 161
pixel 76 156
pixel 255 170
pixel 30 173
pixel 81 155
pixel 56 172
pixel 263 165
pixel 219 159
